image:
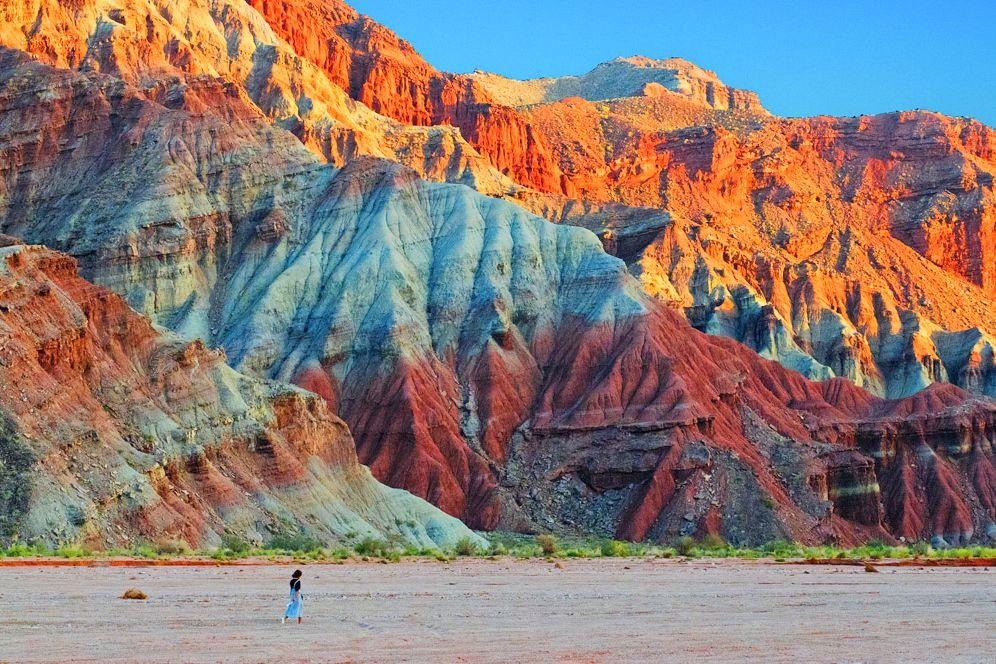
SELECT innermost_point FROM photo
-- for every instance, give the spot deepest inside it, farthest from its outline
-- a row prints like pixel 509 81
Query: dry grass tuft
pixel 870 568
pixel 134 593
pixel 548 544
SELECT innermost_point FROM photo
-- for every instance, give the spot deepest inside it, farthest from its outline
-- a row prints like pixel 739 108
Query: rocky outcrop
pixel 158 48
pixel 384 72
pixel 625 77
pixel 116 433
pixel 805 239
pixel 512 373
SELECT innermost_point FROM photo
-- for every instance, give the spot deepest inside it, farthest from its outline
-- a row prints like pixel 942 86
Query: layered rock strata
pixel 788 235
pixel 159 47
pixel 512 373
pixel 806 226
pixel 116 433
pixel 506 369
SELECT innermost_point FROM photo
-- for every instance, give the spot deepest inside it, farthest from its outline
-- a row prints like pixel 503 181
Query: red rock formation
pixel 507 370
pixel 858 243
pixel 681 416
pixel 116 434
pixel 157 50
pixel 769 193
pixel 512 373
pixel 384 72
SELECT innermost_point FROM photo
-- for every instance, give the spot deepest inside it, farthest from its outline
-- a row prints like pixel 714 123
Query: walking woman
pixel 296 598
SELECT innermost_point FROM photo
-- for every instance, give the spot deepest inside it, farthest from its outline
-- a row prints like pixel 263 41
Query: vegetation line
pixel 503 545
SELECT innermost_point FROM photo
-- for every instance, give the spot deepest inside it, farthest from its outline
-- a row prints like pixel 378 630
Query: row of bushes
pixel 506 544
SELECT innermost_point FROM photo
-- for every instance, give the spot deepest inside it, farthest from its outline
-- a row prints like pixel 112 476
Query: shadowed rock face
pixel 506 369
pixel 132 434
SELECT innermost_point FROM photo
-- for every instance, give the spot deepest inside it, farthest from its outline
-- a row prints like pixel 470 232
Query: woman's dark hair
pixel 296 574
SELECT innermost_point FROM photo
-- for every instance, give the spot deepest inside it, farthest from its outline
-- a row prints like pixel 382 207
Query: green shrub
pixel 26 550
pixel 70 551
pixel 412 551
pixel 173 548
pixel 466 547
pixel 144 551
pixel 295 542
pixel 775 545
pixel 547 544
pixel 372 546
pixel 234 543
pixel 921 548
pixel 685 545
pixel 713 541
pixel 615 549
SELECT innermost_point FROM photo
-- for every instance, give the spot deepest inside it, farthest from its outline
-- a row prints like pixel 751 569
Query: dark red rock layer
pixel 691 429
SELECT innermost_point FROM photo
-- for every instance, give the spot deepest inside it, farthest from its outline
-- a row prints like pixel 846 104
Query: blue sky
pixel 803 58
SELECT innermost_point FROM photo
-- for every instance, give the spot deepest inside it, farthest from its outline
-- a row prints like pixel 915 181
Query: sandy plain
pixel 475 610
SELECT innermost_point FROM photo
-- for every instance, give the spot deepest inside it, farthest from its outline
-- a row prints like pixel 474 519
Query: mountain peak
pixel 631 76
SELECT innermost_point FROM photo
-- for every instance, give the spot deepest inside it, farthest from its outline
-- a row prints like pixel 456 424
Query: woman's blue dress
pixel 296 601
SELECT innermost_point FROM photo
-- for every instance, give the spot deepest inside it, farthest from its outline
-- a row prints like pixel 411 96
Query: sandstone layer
pixel 116 433
pixel 858 247
pixel 381 70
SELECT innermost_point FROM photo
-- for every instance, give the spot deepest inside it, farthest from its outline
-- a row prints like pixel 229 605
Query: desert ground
pixel 475 610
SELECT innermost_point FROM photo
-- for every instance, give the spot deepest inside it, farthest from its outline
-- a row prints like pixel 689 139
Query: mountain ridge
pixel 715 170
pixel 632 76
pixel 504 368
